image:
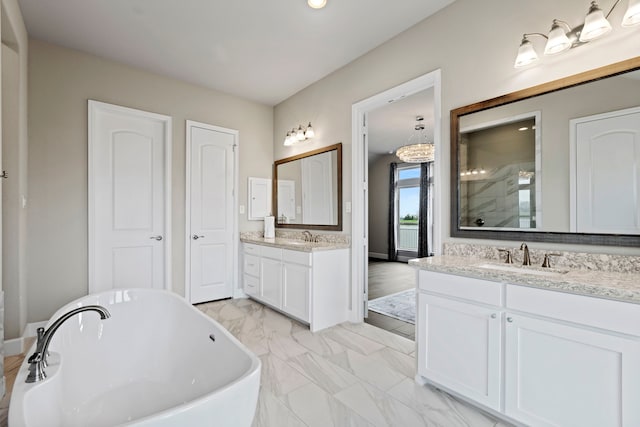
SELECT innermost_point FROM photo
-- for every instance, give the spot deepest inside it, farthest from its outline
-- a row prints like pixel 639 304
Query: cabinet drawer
pixel 252 265
pixel 296 257
pixel 597 312
pixel 270 252
pixel 477 290
pixel 251 285
pixel 251 249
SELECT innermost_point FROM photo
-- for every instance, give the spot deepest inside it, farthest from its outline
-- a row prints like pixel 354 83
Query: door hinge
pixel 4 175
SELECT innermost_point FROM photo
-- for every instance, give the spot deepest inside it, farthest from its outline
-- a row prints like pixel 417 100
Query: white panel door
pixel 317 189
pixel 212 220
pixel 559 375
pixel 607 173
pixel 128 198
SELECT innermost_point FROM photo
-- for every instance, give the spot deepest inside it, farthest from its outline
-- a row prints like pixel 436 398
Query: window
pixel 408 208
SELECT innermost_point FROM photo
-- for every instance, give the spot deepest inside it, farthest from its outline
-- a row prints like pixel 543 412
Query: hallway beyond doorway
pixel 387 278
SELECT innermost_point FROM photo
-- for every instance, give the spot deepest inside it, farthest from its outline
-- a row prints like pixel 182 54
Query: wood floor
pixel 387 278
pixel 11 367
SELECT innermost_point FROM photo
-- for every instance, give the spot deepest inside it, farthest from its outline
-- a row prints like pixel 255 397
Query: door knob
pixel 158 238
pixel 196 237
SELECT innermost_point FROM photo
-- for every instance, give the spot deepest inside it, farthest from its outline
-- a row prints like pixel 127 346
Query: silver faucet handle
pixel 508 259
pixel 546 263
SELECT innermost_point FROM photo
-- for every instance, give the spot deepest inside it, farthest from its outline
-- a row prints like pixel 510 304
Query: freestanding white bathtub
pixel 152 363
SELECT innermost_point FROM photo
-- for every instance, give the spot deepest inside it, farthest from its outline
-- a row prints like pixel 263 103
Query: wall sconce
pixel 562 36
pixel 298 135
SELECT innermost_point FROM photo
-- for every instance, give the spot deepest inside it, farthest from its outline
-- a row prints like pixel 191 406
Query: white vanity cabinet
pixel 309 286
pixel 535 356
pixel 459 338
pixel 581 366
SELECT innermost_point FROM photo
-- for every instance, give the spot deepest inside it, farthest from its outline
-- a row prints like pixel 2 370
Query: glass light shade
pixel 287 139
pixel 416 153
pixel 300 134
pixel 309 133
pixel 595 24
pixel 526 54
pixel 632 16
pixel 558 40
pixel 317 4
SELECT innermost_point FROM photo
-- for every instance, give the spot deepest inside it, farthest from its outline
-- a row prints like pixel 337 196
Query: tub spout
pixel 37 361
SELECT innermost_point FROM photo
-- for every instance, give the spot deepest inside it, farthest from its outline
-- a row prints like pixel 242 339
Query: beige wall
pixel 379 204
pixel 14 150
pixel 474 44
pixel 60 83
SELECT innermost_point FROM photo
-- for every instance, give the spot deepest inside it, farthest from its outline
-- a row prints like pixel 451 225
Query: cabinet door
pixel 271 281
pixel 560 375
pixel 459 347
pixel 295 284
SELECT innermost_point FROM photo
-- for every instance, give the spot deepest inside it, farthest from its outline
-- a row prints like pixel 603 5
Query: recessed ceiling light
pixel 317 4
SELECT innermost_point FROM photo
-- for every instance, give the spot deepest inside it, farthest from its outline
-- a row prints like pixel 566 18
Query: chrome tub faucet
pixel 38 360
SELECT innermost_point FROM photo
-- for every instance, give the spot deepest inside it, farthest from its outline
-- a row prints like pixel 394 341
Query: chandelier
pixel 420 152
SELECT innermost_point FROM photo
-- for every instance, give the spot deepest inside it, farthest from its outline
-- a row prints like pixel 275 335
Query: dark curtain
pixel 393 252
pixel 423 222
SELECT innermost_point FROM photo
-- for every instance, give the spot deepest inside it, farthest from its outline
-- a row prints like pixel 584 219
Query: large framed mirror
pixel 307 190
pixel 558 162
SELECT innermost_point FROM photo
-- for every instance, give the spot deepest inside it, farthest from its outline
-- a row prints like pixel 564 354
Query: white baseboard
pixel 378 255
pixel 16 346
pixel 238 293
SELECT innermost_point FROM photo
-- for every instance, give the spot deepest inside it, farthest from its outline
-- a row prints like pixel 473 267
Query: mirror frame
pixel 338 226
pixel 532 235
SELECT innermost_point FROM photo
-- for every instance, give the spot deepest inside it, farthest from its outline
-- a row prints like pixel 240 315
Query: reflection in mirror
pixel 499 180
pixel 554 187
pixel 308 190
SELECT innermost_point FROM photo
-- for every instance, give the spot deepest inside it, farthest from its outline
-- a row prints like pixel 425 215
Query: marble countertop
pixel 293 244
pixel 611 285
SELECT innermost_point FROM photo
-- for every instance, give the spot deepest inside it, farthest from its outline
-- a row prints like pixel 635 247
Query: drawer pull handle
pixel 510 319
pixel 251 265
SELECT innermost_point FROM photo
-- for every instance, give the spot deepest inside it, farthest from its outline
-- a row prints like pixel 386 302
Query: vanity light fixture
pixel 562 36
pixel 317 4
pixel 298 135
pixel 421 152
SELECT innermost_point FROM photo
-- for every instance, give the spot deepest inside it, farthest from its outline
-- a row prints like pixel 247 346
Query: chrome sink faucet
pixel 308 237
pixel 526 259
pixel 37 361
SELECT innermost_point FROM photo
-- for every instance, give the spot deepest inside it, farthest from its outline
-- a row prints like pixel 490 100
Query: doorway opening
pixel 395 208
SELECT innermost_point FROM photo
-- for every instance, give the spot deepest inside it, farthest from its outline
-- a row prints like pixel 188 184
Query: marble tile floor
pixel 348 375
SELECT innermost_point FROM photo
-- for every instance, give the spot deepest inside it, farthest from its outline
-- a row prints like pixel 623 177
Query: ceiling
pixel 392 126
pixel 265 51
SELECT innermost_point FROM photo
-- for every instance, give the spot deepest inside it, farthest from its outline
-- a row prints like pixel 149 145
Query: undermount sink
pixel 522 270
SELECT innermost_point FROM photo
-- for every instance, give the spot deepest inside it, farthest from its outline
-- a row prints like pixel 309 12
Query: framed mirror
pixel 538 165
pixel 307 190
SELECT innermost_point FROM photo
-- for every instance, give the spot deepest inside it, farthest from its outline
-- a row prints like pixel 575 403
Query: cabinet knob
pixel 493 316
pixel 510 319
